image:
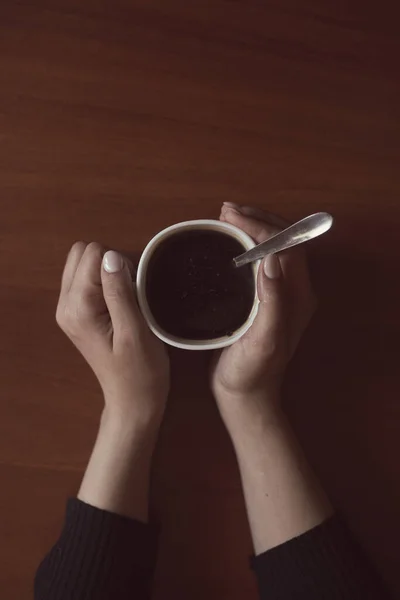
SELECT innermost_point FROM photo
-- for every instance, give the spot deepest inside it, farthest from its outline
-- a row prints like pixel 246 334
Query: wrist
pixel 255 433
pixel 120 424
pixel 143 410
pixel 251 413
pixel 266 391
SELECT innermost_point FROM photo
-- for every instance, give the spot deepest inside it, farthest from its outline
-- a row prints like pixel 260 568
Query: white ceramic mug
pixel 187 344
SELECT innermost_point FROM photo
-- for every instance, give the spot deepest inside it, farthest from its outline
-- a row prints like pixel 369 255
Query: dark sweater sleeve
pixel 99 555
pixel 324 563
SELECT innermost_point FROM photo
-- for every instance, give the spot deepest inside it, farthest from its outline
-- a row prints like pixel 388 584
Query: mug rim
pixel 184 343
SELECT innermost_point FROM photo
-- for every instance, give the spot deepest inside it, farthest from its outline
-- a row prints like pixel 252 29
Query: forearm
pixel 283 496
pixel 118 473
pixel 300 551
pixel 101 553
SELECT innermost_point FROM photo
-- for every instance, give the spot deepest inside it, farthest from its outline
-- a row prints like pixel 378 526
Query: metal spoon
pixel 298 233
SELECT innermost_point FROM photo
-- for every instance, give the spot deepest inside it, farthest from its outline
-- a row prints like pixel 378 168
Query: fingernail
pixel 112 262
pixel 232 205
pixel 272 267
pixel 229 209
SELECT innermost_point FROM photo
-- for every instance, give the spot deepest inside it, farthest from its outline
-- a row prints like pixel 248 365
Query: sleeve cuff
pixel 323 562
pixel 99 555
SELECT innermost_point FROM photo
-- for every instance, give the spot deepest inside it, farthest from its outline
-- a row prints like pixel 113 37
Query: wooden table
pixel 118 119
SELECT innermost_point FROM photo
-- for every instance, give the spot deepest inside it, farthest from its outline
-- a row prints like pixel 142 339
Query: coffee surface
pixel 193 288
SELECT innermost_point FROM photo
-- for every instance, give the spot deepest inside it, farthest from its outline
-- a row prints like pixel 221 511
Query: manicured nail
pixel 232 205
pixel 230 209
pixel 272 267
pixel 112 262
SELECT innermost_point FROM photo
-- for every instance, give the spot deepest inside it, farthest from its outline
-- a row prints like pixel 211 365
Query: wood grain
pixel 118 119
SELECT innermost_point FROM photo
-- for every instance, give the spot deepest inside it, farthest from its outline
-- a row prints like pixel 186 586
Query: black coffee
pixel 193 288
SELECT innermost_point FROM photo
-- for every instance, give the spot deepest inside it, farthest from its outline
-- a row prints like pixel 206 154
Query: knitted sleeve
pixel 324 563
pixel 99 555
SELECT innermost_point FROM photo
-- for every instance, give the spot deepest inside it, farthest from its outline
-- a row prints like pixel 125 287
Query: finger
pixel 119 295
pixel 131 267
pixel 294 261
pixel 87 280
pixel 299 290
pixel 268 322
pixel 295 267
pixel 71 265
pixel 258 213
pixel 255 228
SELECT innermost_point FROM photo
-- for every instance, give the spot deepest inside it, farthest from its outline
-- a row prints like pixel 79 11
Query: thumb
pixel 118 291
pixel 268 322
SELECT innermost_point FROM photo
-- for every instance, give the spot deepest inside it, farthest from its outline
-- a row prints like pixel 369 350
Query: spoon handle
pixel 302 231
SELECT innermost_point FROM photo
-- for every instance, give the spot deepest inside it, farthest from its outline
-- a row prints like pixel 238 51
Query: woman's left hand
pixel 98 311
pixel 246 377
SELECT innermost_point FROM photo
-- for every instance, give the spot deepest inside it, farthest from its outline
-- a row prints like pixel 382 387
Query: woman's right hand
pixel 246 376
pixel 98 311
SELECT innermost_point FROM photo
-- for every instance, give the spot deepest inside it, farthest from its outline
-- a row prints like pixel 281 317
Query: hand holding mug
pixel 246 376
pixel 97 310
